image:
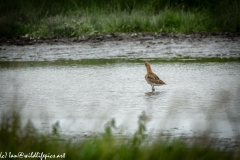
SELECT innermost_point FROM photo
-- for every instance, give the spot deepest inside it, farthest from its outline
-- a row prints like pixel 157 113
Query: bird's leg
pixel 153 89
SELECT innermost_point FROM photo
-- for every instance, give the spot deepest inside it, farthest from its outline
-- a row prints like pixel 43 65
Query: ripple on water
pixel 84 97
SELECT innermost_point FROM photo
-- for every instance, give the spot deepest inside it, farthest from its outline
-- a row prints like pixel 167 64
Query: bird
pixel 152 78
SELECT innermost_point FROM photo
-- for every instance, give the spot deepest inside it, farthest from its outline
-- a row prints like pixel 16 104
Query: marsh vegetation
pixel 17 137
pixel 41 18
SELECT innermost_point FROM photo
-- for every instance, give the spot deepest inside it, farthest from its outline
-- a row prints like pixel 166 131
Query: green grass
pixel 41 18
pixel 15 138
pixel 79 24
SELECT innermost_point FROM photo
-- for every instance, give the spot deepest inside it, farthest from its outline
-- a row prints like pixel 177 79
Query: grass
pixel 41 18
pixel 79 24
pixel 15 138
pixel 76 24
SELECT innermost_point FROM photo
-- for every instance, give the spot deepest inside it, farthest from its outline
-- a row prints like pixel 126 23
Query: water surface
pixel 83 97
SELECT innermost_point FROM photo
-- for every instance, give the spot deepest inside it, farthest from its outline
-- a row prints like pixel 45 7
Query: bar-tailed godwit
pixel 152 78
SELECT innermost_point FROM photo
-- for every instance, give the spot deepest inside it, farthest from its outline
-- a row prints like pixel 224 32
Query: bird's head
pixel 147 64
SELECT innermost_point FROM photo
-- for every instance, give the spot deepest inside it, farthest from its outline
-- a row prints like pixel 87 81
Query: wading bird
pixel 152 78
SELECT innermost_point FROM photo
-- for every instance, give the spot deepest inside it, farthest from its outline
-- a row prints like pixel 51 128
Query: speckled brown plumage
pixel 152 78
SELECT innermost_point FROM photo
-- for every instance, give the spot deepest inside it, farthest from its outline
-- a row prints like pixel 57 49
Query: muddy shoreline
pixel 27 40
pixel 123 46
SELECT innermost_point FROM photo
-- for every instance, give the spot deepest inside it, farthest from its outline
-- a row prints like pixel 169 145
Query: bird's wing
pixel 153 78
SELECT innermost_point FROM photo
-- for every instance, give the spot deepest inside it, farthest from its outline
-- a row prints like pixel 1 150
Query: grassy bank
pixel 16 138
pixel 41 18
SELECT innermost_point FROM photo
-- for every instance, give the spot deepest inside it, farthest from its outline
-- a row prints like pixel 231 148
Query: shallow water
pixel 83 97
pixel 85 84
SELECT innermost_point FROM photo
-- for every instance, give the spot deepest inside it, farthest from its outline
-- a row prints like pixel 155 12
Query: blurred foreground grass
pixel 17 138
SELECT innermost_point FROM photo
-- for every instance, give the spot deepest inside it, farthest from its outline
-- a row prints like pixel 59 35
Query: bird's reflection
pixel 150 94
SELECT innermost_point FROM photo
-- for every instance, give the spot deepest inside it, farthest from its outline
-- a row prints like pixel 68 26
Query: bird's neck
pixel 149 70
